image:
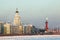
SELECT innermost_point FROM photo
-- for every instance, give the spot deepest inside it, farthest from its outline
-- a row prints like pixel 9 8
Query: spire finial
pixel 17 10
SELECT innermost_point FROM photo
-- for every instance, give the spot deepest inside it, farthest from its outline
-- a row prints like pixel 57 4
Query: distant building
pixel 14 29
pixel 34 30
pixel 17 20
pixel 17 27
pixel 7 28
pixel 46 24
pixel 20 29
pixel 28 29
pixel 1 27
pixel 25 29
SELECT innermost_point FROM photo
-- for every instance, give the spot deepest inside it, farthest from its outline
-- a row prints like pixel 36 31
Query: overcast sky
pixel 32 11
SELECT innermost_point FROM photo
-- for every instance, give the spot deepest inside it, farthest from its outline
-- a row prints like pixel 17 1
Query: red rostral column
pixel 46 24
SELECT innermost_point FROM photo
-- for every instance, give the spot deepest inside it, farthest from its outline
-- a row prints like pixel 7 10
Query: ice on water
pixel 36 37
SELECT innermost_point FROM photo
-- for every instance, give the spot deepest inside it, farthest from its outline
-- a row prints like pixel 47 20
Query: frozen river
pixel 34 37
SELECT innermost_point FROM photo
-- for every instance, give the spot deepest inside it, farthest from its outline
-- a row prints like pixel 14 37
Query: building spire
pixel 17 10
pixel 17 20
pixel 46 18
pixel 46 24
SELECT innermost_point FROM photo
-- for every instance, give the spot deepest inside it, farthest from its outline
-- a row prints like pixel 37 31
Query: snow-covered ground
pixel 34 37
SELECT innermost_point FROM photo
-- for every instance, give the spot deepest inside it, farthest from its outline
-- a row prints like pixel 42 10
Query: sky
pixel 32 11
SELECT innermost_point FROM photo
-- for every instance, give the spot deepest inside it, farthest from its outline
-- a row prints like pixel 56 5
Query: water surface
pixel 36 37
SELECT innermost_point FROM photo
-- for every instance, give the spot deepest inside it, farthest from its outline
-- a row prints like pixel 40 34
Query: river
pixel 34 37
